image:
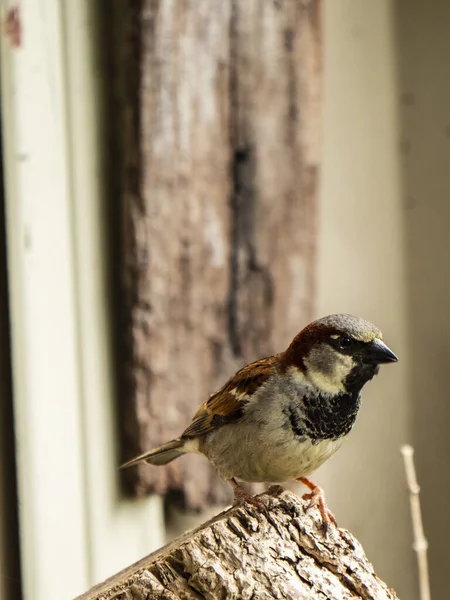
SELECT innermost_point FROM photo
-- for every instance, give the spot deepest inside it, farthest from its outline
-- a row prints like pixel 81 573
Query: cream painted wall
pixel 362 267
pixel 384 253
pixel 423 51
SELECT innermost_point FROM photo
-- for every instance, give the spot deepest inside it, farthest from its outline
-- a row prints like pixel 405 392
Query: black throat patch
pixel 321 417
pixel 359 376
pixel 326 418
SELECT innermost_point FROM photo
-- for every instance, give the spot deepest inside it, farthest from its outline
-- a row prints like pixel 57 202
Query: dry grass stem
pixel 420 541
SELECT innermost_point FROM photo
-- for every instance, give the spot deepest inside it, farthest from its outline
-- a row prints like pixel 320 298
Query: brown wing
pixel 227 405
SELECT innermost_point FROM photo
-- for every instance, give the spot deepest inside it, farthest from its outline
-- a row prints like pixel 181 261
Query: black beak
pixel 378 353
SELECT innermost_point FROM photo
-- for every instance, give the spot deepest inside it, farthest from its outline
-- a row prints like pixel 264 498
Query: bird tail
pixel 159 456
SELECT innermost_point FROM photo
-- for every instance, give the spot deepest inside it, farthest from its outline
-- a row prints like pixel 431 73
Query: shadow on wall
pixel 424 114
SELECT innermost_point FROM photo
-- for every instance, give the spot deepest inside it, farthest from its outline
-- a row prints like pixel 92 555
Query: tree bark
pixel 242 554
pixel 219 127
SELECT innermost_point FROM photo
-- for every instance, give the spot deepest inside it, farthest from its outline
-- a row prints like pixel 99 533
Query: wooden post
pixel 242 555
pixel 219 127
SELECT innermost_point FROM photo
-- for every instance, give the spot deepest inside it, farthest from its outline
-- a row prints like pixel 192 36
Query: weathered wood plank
pixel 220 114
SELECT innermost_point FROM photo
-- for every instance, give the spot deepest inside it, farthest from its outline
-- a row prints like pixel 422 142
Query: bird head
pixel 338 353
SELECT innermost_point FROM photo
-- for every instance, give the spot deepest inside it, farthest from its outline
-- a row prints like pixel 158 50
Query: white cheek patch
pixel 331 382
pixel 316 380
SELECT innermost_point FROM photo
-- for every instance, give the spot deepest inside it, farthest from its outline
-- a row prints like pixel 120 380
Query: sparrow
pixel 282 417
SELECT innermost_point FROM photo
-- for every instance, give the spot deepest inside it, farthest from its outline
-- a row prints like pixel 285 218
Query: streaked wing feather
pixel 227 405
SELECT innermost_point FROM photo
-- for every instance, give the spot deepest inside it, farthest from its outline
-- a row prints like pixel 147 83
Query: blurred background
pixel 380 249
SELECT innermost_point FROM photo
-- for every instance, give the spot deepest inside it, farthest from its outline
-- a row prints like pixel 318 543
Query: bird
pixel 281 417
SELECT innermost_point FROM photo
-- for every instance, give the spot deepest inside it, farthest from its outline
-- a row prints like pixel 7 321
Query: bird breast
pixel 264 454
pixel 265 444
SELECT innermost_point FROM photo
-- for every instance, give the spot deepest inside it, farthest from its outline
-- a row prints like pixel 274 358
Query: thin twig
pixel 420 541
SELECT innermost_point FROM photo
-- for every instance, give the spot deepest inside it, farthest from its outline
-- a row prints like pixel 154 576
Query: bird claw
pixel 243 497
pixel 316 498
pixel 309 496
pixel 253 501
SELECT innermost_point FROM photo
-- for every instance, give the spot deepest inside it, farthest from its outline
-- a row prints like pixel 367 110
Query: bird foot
pixel 243 497
pixel 316 497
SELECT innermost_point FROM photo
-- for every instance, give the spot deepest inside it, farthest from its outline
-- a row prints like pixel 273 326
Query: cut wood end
pixel 283 553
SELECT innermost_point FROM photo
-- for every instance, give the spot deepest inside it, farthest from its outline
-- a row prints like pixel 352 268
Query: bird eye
pixel 345 342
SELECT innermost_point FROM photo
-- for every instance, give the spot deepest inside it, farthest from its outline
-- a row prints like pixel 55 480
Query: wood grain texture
pixel 242 555
pixel 219 111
